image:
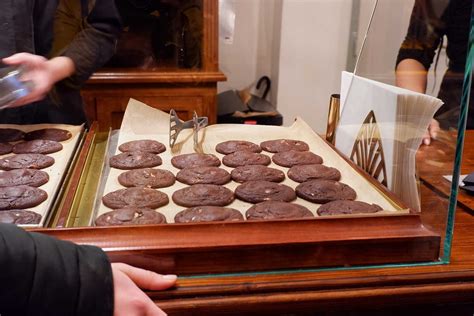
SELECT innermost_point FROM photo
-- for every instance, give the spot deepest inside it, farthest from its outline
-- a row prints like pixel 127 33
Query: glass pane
pixel 420 46
pixel 159 34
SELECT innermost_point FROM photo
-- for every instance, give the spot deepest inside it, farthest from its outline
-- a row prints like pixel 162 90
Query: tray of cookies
pixel 258 172
pixel 33 162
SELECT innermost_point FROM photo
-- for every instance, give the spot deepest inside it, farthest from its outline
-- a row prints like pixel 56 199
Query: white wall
pixel 313 52
pixel 251 54
pixel 303 46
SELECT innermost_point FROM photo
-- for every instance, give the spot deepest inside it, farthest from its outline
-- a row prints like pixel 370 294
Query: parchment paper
pixel 57 170
pixel 143 122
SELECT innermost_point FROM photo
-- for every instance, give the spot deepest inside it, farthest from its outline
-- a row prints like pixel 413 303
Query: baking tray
pixel 57 172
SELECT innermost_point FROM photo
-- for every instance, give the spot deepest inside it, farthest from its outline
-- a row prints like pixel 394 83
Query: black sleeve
pixel 424 35
pixel 40 275
pixel 95 44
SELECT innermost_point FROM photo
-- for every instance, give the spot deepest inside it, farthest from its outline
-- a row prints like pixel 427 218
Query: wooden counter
pixel 397 290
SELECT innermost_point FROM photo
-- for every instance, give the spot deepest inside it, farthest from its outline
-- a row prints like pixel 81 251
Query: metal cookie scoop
pixel 177 125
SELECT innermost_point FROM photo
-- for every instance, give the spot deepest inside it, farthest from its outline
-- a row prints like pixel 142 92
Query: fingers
pixel 23 58
pixel 129 300
pixel 434 128
pixel 146 279
pixel 426 139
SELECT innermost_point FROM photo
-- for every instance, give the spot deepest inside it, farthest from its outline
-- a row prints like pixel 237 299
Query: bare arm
pixel 411 75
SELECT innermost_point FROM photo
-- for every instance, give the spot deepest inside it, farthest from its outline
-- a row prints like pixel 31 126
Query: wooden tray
pixel 189 249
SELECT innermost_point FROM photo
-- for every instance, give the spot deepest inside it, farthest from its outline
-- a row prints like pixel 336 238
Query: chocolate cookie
pixel 280 145
pixel 203 194
pixel 145 145
pixel 21 197
pixel 5 148
pixel 260 191
pixel 150 178
pixel 130 216
pixel 292 158
pixel 257 172
pixel 208 214
pixel 37 146
pixel 19 217
pixel 244 158
pixel 232 146
pixel 10 135
pixel 26 161
pixel 135 160
pixel 324 191
pixel 277 210
pixel 55 134
pixel 31 177
pixel 303 173
pixel 135 197
pixel 203 175
pixel 195 160
pixel 347 207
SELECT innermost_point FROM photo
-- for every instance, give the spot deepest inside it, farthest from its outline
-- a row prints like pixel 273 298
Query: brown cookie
pixel 303 173
pixel 277 210
pixel 261 191
pixel 203 194
pixel 5 148
pixel 10 135
pixel 232 146
pixel 208 214
pixel 31 177
pixel 195 160
pixel 280 145
pixel 149 178
pixel 324 191
pixel 203 175
pixel 26 161
pixel 19 217
pixel 244 158
pixel 130 216
pixel 37 146
pixel 135 160
pixel 21 197
pixel 135 197
pixel 347 207
pixel 292 158
pixel 257 172
pixel 55 134
pixel 145 145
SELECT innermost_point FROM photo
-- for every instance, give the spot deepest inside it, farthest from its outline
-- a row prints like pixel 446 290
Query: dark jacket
pixel 430 21
pixel 85 33
pixel 44 276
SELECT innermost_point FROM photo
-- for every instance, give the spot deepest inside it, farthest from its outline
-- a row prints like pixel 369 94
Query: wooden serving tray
pixel 202 248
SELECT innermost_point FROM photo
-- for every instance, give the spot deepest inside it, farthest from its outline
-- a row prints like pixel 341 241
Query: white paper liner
pixel 57 171
pixel 144 122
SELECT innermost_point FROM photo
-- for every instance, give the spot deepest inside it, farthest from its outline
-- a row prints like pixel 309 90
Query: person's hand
pixel 431 132
pixel 41 74
pixel 129 300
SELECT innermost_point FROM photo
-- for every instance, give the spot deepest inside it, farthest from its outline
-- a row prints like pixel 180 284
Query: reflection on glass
pixel 159 34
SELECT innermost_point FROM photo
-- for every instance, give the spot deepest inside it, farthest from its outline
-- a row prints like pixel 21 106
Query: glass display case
pixel 398 200
pixel 370 167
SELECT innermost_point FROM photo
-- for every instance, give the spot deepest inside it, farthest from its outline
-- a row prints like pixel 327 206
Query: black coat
pixel 40 275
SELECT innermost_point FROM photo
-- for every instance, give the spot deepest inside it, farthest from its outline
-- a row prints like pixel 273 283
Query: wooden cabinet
pixel 162 86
